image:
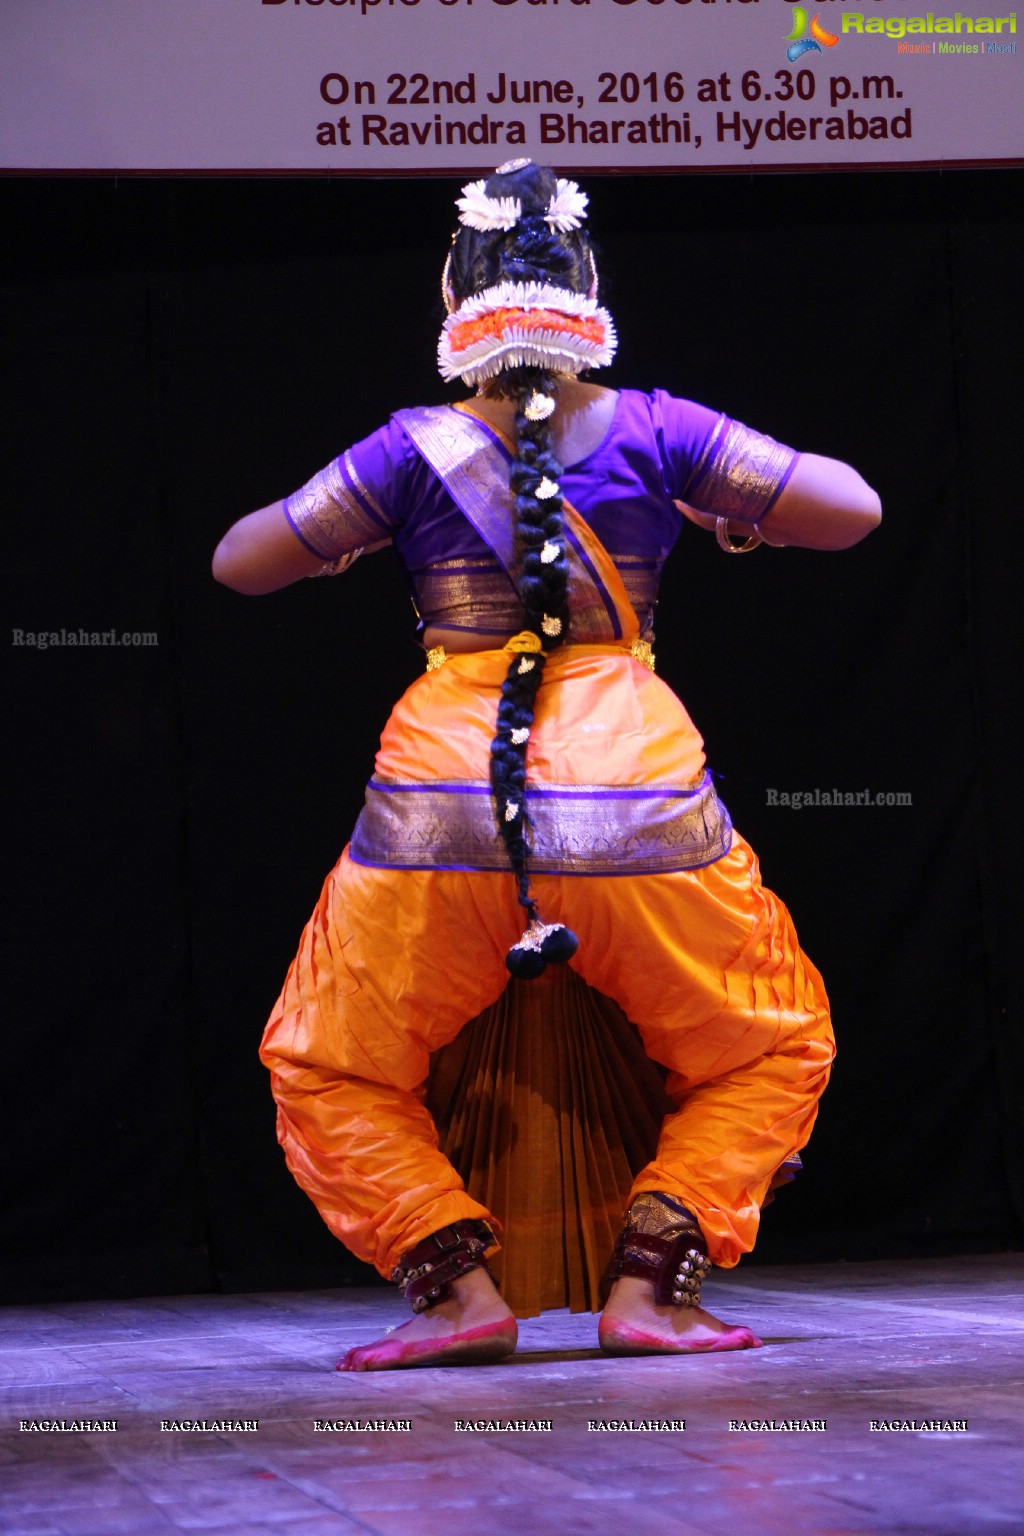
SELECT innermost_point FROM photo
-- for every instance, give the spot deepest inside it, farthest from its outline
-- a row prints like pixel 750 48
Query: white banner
pixel 400 86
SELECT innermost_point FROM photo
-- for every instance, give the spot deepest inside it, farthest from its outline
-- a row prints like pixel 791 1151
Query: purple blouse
pixel 658 450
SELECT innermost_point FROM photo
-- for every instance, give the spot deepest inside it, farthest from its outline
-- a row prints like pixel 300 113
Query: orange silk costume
pixel 395 961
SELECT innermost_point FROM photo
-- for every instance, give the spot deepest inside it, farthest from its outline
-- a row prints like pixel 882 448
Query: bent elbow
pixel 220 566
pixel 228 569
pixel 222 572
pixel 869 514
pixel 859 514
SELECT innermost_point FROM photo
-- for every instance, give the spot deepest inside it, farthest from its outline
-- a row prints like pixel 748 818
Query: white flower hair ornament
pixel 484 213
pixel 567 208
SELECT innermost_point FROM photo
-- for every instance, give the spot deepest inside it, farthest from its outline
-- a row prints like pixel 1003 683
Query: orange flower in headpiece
pixel 536 324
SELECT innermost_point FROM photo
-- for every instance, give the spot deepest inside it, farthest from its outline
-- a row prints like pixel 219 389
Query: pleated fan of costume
pixel 547 1106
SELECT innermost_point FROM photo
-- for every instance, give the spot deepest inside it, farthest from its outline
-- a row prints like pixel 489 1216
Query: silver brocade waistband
pixel 579 829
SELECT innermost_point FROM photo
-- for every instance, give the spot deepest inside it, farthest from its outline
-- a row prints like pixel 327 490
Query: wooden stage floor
pixel 897 1343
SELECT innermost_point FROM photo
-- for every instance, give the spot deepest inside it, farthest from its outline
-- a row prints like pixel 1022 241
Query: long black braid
pixel 543 586
pixel 531 251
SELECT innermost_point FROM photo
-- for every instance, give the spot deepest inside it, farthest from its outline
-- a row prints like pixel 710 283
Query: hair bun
pixel 523 224
pixel 530 233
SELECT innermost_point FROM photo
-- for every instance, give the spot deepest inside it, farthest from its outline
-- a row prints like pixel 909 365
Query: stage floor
pixel 939 1342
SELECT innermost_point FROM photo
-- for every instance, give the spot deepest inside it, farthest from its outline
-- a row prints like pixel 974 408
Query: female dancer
pixel 534 521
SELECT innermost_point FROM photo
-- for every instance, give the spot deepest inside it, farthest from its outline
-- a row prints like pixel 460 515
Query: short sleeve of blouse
pixel 357 500
pixel 716 464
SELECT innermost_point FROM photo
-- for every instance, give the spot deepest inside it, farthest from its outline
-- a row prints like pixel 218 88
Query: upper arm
pixel 825 504
pixel 756 483
pixel 349 506
pixel 261 553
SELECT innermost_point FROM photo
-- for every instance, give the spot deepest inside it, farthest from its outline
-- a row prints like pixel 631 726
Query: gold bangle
pixel 752 540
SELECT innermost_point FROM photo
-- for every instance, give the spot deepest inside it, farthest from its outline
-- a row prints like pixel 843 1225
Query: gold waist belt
pixel 526 640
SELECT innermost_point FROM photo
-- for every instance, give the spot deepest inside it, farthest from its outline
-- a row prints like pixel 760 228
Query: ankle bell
pixel 662 1243
pixel 427 1270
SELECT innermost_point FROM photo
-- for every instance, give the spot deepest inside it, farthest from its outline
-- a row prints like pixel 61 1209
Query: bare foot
pixel 473 1327
pixel 633 1323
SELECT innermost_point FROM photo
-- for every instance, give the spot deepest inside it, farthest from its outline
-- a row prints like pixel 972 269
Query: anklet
pixel 426 1272
pixel 662 1242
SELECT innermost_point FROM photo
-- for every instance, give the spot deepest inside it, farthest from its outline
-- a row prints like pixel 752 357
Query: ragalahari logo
pixel 800 43
pixel 988 28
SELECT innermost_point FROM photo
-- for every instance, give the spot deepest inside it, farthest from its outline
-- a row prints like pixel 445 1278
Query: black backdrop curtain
pixel 182 351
